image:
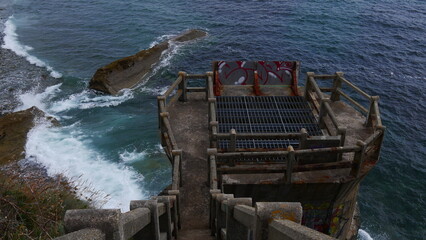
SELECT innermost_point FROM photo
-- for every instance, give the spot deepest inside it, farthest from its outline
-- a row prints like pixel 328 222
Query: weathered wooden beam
pixel 280 168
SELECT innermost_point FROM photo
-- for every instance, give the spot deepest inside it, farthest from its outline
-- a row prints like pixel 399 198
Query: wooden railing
pixel 147 219
pixel 177 91
pixel 235 218
pixel 316 94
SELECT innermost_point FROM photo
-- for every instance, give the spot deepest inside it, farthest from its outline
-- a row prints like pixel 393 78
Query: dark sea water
pixel 109 145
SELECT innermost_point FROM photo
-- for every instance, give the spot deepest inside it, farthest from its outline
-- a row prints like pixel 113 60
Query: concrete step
pixel 195 234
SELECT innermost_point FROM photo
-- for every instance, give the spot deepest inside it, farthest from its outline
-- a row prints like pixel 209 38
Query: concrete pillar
pixel 176 207
pixel 152 230
pixel 266 212
pixel 337 84
pixel 234 229
pixel 182 86
pixel 106 220
pixel 220 215
pixel 166 219
pixel 212 221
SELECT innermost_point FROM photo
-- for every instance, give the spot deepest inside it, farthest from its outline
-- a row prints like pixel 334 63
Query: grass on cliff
pixel 34 207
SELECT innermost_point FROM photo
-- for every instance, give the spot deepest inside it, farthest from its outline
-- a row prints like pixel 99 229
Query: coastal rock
pixel 129 71
pixel 14 128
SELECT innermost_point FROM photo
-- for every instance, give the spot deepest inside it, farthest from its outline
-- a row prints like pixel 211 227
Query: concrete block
pixel 106 220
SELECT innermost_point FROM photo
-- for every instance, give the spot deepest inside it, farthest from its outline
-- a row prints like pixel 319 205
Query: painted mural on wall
pixel 254 73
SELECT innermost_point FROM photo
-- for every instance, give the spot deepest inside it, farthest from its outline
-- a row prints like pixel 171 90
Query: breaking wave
pixel 67 151
pixel 11 42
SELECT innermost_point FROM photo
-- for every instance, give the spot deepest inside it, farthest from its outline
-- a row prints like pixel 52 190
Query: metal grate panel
pixel 264 114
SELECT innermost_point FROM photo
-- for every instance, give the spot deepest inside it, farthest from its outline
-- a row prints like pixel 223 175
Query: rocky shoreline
pixel 32 204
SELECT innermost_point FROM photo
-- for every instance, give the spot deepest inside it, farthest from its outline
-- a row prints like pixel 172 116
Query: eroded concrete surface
pixel 189 125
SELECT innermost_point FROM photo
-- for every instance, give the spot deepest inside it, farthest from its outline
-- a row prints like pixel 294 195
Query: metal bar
pixel 354 87
pixel 173 86
pixel 352 100
pixel 227 136
pixel 252 154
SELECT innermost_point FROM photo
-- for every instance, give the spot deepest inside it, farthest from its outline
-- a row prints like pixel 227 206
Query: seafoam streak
pixel 11 42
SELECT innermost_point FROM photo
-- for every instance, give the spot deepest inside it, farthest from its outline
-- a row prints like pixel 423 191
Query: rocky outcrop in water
pixel 14 128
pixel 129 71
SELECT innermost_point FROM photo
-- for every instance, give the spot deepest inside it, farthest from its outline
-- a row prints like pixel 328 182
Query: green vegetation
pixel 33 206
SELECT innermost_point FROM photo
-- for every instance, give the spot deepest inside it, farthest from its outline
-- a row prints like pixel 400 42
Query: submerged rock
pixel 129 71
pixel 14 128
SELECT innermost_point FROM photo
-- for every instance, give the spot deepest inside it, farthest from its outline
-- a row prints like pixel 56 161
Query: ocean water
pixel 109 144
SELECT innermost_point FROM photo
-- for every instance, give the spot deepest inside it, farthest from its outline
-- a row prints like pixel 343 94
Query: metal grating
pixel 264 114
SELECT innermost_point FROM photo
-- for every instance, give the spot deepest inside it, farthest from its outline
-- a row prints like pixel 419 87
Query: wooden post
pixel 176 205
pixel 166 220
pixel 303 138
pixel 371 111
pixel 212 221
pixel 152 230
pixel 337 84
pixel 234 229
pixel 266 212
pixel 290 164
pixel 182 86
pixel 358 159
pixel 323 112
pixel 308 84
pixel 220 215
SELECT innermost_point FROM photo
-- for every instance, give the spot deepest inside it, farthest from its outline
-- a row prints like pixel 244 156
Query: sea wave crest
pixel 67 151
pixel 11 42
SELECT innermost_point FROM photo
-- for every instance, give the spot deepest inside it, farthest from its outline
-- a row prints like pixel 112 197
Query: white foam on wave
pixel 155 91
pixel 363 235
pixel 167 55
pixel 87 99
pixel 161 39
pixel 10 41
pixel 132 156
pixel 67 151
pixel 40 100
pixel 82 100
